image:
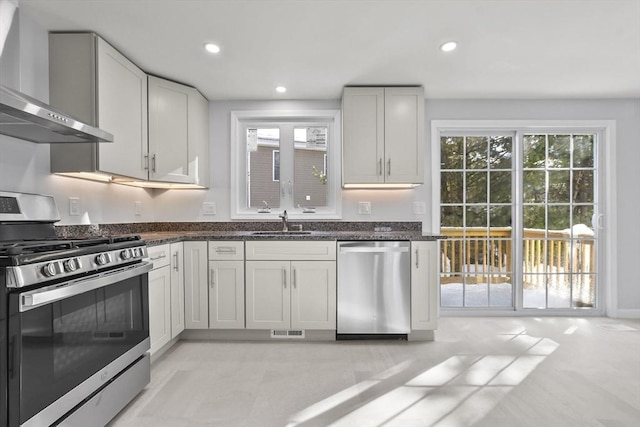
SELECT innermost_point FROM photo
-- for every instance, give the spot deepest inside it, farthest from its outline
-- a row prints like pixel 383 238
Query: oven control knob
pixel 71 264
pixel 103 259
pixel 125 254
pixel 49 270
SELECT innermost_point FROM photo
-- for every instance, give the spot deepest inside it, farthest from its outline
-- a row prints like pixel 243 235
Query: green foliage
pixel 557 180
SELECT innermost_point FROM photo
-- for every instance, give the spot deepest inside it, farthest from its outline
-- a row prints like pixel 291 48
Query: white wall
pixel 24 166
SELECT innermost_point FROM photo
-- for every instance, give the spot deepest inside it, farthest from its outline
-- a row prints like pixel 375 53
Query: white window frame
pixel 607 259
pixel 273 165
pixel 238 208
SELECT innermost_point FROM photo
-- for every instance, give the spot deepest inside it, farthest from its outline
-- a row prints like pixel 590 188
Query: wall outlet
pixel 208 208
pixel 364 208
pixel 74 206
pixel 419 208
pixel 137 208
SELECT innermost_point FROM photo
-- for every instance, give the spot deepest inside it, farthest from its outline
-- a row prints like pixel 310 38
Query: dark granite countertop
pixel 157 238
pixel 156 233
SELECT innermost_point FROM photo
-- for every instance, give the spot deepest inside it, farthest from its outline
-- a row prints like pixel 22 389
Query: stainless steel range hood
pixel 27 118
pixel 22 116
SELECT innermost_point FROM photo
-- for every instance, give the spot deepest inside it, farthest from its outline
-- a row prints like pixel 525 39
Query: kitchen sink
pixel 280 233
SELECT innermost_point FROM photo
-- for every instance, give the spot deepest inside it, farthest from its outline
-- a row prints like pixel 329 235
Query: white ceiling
pixel 507 48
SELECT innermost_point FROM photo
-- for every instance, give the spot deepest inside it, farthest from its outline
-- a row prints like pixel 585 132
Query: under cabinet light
pixel 380 186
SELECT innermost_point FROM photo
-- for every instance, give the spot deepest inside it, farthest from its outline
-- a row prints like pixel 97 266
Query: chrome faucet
pixel 285 218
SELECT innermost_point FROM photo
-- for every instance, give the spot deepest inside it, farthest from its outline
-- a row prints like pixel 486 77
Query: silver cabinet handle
pixel 212 280
pixel 294 278
pixel 176 267
pixel 153 163
pixel 159 256
pixel 389 167
pixel 417 263
pixel 146 162
pixel 284 277
pixel 380 166
pixel 225 250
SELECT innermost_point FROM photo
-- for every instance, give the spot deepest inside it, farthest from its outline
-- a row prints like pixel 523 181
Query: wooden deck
pixel 560 261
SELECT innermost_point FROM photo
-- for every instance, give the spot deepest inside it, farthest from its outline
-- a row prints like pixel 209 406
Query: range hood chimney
pixel 22 116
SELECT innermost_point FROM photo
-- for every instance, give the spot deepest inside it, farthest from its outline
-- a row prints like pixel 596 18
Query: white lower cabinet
pixel 166 295
pixel 177 289
pixel 293 292
pixel 159 307
pixel 226 285
pixel 196 294
pixel 313 295
pixel 424 285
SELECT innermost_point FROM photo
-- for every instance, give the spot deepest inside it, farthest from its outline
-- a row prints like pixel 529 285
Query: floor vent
pixel 286 333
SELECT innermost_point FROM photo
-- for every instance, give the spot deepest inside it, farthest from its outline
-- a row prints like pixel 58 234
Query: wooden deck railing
pixel 550 258
pixel 476 252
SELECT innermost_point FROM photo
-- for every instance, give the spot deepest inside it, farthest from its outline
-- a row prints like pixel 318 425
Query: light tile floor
pixel 493 372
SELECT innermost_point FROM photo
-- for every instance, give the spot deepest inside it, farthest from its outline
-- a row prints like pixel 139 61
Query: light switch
pixel 137 208
pixel 74 206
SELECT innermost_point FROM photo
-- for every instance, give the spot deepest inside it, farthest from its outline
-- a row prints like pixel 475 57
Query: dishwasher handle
pixel 373 249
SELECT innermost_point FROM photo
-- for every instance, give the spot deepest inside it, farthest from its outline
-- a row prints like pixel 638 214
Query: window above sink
pixel 285 160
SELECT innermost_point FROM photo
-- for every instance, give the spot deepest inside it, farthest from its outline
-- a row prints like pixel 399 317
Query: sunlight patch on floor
pixel 457 392
pixel 345 395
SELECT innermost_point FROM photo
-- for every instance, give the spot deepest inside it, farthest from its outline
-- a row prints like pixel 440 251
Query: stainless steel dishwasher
pixel 374 286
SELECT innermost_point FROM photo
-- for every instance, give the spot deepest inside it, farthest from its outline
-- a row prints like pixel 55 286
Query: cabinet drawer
pixel 291 250
pixel 159 255
pixel 226 251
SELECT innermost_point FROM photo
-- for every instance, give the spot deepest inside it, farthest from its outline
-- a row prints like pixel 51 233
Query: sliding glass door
pixel 559 251
pixel 518 211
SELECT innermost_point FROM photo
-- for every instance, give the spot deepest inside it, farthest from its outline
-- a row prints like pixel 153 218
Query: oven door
pixel 68 340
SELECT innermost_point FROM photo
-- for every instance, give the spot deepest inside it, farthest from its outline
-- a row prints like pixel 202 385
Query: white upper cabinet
pixel 91 80
pixel 198 123
pixel 178 133
pixel 382 136
pixel 168 131
pixel 160 127
pixel 362 135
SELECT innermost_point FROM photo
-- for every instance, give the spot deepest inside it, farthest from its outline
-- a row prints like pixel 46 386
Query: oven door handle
pixel 32 299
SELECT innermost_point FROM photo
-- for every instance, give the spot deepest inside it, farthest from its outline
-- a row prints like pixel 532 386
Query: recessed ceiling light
pixel 448 46
pixel 281 89
pixel 212 47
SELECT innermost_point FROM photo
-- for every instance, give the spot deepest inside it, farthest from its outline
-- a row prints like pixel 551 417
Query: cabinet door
pixel 177 289
pixel 196 296
pixel 313 295
pixel 424 285
pixel 198 138
pixel 168 131
pixel 404 135
pixel 363 135
pixel 122 110
pixel 159 307
pixel 226 294
pixel 268 296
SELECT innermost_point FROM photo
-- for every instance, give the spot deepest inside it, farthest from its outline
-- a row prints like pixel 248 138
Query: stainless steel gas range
pixel 74 319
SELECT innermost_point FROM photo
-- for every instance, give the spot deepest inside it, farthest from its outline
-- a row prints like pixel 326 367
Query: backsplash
pixel 76 231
